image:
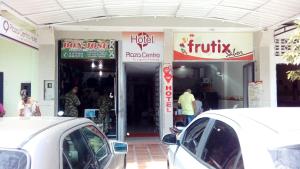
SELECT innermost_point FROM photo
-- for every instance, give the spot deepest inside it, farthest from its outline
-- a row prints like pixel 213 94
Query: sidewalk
pixel 146 155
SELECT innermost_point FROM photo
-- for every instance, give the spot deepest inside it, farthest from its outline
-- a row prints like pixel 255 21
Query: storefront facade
pixel 258 42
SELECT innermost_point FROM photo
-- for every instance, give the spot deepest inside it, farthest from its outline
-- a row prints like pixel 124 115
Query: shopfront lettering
pixel 168 88
pixel 85 45
pixel 168 76
pixel 213 47
pixel 234 53
pixel 142 55
pixel 142 39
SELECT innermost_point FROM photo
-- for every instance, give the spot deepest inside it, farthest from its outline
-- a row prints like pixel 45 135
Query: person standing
pixel 27 106
pixel 2 110
pixel 105 104
pixel 187 103
pixel 72 102
pixel 199 105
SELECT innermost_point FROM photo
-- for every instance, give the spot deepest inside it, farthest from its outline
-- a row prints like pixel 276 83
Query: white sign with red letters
pixel 213 46
pixel 142 46
pixel 168 87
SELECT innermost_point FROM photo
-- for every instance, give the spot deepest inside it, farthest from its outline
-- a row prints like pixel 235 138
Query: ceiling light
pixel 100 64
pixel 93 65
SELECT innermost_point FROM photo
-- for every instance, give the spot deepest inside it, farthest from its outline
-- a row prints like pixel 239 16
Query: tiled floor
pixel 146 155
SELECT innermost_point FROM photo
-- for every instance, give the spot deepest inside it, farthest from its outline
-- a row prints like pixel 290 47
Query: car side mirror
pixel 170 139
pixel 120 147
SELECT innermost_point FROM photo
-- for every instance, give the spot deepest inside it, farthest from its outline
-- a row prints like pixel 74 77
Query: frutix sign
pixel 142 46
pixel 12 31
pixel 213 46
pixel 168 87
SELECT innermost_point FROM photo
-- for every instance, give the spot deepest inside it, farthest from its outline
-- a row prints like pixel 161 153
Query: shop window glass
pixel 193 135
pixel 222 150
pixel 77 152
pixel 97 143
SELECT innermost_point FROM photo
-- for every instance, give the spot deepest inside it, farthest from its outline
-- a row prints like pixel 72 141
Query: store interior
pixel 95 80
pixel 287 91
pixel 219 85
pixel 142 91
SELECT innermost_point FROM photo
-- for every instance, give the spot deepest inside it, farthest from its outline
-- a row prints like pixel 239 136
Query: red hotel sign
pixel 168 87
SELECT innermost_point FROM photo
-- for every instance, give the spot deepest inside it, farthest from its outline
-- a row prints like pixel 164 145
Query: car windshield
pixel 287 157
pixel 13 159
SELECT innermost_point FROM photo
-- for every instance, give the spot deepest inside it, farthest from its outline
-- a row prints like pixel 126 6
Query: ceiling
pixel 255 13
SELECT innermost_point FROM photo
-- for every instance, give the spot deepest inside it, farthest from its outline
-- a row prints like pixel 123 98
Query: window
pixel 193 135
pixel 97 143
pixel 286 157
pixel 13 159
pixel 222 149
pixel 77 152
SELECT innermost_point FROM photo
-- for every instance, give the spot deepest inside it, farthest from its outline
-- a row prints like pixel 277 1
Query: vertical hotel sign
pixel 168 87
pixel 12 31
pixel 142 46
pixel 213 46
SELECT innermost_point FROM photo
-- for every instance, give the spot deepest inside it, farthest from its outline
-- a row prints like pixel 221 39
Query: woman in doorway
pixel 28 106
pixel 71 103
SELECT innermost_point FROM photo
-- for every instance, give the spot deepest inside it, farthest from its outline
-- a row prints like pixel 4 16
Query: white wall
pixel 266 66
pixel 19 64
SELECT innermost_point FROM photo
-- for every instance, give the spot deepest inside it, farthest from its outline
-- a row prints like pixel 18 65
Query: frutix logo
pixel 142 39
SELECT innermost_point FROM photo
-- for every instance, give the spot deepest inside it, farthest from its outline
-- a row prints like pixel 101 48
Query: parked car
pixel 57 143
pixel 262 138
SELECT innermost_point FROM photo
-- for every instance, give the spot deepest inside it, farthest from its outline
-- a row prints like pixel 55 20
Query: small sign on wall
pixel 49 90
pixel 168 87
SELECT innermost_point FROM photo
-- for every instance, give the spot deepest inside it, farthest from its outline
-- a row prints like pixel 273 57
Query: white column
pixel 266 67
pixel 166 118
pixel 47 68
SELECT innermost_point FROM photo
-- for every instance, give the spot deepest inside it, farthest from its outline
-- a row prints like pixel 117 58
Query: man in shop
pixel 72 102
pixel 187 102
pixel 105 104
pixel 199 105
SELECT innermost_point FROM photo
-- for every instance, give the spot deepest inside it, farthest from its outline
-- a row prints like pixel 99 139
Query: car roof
pixel 16 131
pixel 278 120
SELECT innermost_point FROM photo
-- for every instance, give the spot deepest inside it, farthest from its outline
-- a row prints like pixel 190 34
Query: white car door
pixel 187 155
pixel 222 148
pixel 101 147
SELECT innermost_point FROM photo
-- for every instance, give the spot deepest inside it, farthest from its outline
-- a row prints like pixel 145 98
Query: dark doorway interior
pixel 93 87
pixel 140 105
pixel 1 86
pixel 143 100
pixel 287 91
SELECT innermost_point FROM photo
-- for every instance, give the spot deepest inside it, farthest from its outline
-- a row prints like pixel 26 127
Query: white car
pixel 262 138
pixel 57 143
